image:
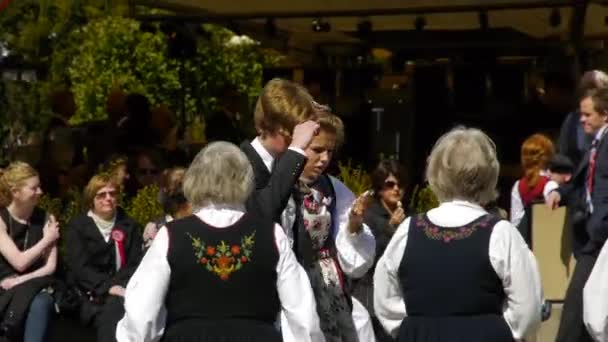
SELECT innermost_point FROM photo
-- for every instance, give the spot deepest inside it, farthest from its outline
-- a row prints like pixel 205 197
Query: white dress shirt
pixel 517 205
pixel 509 256
pixel 145 313
pixel 595 298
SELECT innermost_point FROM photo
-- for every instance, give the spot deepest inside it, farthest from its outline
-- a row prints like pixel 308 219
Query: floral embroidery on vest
pixel 223 259
pixel 449 234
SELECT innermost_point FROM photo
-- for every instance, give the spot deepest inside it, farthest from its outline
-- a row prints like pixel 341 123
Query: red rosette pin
pixel 118 235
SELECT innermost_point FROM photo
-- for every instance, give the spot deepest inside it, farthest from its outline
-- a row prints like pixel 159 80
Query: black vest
pixel 222 273
pixel 24 236
pixel 447 271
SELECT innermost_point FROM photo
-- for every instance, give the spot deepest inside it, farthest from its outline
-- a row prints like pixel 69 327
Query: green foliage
pixel 354 177
pixel 64 211
pixel 24 110
pixel 114 52
pixel 423 199
pixel 145 206
pixel 89 45
pixel 32 27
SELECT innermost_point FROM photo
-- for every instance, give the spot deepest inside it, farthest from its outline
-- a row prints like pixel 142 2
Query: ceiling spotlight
pixel 555 19
pixel 483 20
pixel 420 23
pixel 319 25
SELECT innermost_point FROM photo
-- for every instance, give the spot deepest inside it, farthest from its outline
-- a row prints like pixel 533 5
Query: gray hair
pixel 220 174
pixel 463 165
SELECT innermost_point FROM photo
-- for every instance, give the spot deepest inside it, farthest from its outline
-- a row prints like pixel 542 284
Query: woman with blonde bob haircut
pixel 103 250
pixel 456 272
pixel 227 273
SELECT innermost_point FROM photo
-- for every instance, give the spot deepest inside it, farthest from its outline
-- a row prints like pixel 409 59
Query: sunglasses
pixel 103 195
pixel 391 184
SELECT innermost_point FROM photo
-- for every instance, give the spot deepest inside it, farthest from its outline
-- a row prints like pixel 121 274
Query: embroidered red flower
pixel 236 250
pixel 223 259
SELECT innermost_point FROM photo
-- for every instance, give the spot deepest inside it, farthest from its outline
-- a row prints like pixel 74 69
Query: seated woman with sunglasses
pixel 383 216
pixel 104 247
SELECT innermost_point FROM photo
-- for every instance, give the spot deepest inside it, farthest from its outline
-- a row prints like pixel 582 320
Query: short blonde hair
pixel 281 106
pixel 332 124
pixel 463 165
pixel 13 177
pixel 173 179
pixel 221 174
pixel 97 182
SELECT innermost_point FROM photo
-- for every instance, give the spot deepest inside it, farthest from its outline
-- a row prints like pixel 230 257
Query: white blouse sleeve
pixel 517 206
pixel 299 319
pixel 516 266
pixel 356 252
pixel 550 186
pixel 389 304
pixel 145 313
pixel 595 298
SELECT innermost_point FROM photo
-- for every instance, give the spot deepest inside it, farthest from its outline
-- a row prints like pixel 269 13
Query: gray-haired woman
pixel 457 273
pixel 222 273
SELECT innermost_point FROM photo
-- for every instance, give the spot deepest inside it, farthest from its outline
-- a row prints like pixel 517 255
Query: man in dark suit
pixel 282 119
pixel 588 192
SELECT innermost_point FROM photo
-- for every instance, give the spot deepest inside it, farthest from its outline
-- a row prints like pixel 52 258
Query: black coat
pixel 272 191
pixel 91 260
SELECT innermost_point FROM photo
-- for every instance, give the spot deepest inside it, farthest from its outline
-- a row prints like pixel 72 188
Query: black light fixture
pixel 420 23
pixel 270 27
pixel 364 28
pixel 483 20
pixel 319 25
pixel 555 19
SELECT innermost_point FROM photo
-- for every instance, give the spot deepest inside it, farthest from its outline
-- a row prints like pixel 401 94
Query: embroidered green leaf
pixel 248 240
pixel 209 267
pixel 238 266
pixel 223 247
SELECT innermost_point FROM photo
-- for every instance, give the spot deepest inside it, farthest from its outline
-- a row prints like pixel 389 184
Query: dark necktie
pixel 592 159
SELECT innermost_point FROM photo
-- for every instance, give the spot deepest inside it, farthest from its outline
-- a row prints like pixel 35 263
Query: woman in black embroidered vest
pixel 104 246
pixel 28 255
pixel 332 242
pixel 221 274
pixel 457 273
pixel 536 152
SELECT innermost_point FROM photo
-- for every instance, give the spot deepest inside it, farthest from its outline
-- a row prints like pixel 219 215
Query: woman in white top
pixel 595 298
pixel 221 272
pixel 457 273
pixel 535 184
